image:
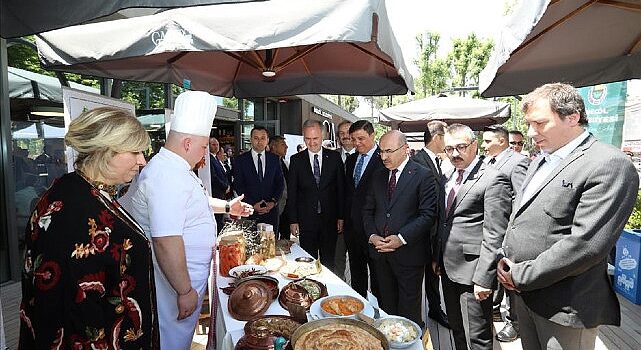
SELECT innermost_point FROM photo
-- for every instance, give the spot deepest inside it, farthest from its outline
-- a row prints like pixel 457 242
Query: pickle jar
pixel 231 252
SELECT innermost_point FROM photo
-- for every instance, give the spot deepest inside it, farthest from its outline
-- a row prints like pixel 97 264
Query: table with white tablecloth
pixel 230 330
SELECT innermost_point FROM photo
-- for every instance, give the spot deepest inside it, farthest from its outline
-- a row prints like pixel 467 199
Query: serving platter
pixel 316 312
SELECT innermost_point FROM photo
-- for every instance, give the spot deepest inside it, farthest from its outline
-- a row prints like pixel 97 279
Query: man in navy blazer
pixel 258 175
pixel 398 214
pixel 360 166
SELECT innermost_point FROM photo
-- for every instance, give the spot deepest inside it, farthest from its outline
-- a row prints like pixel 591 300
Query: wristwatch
pixel 227 207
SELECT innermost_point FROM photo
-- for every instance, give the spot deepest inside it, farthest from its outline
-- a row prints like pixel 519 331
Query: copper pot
pixel 260 340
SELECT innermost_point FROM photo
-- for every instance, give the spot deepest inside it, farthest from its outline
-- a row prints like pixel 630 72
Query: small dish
pixel 395 328
pixel 316 311
pixel 243 271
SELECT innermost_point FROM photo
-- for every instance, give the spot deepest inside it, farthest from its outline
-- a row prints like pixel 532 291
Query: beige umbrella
pixel 271 48
pixel 583 42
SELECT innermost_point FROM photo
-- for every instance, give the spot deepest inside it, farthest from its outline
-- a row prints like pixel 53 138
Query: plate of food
pixel 300 268
pixel 340 306
pixel 243 271
pixel 399 331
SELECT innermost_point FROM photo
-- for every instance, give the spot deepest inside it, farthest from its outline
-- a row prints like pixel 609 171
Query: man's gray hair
pixel 460 129
pixel 312 123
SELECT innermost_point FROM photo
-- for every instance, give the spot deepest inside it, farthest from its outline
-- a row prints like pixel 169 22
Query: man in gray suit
pixel 577 196
pixel 477 205
pixel 514 165
pixel 434 139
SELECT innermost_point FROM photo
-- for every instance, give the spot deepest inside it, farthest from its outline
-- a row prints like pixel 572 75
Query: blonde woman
pixel 88 279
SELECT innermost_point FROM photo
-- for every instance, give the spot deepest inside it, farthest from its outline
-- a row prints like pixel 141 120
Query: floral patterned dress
pixel 88 277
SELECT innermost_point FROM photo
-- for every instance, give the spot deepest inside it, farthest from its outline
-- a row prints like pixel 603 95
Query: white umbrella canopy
pixel 582 42
pixel 271 48
pixel 21 18
pixel 476 113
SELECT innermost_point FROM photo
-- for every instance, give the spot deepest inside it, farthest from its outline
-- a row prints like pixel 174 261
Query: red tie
pixel 391 186
pixel 454 190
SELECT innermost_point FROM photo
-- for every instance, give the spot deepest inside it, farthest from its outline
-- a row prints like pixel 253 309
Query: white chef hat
pixel 194 113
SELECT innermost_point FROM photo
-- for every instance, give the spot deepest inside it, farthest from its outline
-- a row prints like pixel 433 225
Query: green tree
pixel 433 71
pixel 467 58
pixel 230 102
pixel 348 103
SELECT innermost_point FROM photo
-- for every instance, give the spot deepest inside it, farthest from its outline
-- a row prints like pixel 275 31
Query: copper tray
pixel 310 326
pixel 294 292
pixel 277 325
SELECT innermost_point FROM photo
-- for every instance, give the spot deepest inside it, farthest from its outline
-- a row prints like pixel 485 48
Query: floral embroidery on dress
pixel 47 274
pixel 99 241
pixel 91 282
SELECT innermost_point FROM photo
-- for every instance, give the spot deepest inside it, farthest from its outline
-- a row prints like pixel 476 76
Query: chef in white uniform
pixel 170 203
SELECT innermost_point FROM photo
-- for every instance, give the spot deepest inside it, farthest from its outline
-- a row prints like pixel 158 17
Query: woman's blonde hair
pixel 99 134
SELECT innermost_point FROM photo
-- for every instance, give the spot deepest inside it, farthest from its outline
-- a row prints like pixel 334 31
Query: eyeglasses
pixel 390 151
pixel 520 143
pixel 460 148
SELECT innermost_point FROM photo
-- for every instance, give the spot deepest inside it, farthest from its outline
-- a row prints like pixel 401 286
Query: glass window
pixel 38 159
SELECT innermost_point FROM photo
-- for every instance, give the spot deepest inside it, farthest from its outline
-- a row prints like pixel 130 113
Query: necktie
pixel 455 188
pixel 438 166
pixel 359 169
pixel 493 160
pixel 260 168
pixel 391 186
pixel 316 170
pixel 317 178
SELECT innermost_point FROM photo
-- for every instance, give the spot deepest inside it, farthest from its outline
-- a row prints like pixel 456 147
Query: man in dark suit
pixel 477 205
pixel 434 141
pixel 359 169
pixel 346 148
pixel 315 195
pixel 258 175
pixel 278 146
pixel 219 185
pixel 576 199
pixel 499 155
pixel 398 213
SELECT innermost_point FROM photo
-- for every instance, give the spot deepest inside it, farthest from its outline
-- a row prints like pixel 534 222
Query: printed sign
pixel 605 107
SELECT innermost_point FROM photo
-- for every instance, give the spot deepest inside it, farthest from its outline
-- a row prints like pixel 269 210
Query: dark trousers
pixel 511 309
pixel 318 235
pixel 357 248
pixel 399 287
pixel 283 226
pixel 220 221
pixel 432 289
pixel 471 320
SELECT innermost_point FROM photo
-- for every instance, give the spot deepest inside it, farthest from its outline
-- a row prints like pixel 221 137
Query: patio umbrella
pixel 582 42
pixel 271 48
pixel 476 113
pixel 20 18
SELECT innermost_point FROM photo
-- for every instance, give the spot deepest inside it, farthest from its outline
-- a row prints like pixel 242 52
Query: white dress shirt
pixel 255 159
pixel 345 153
pixel 320 159
pixel 551 162
pixel 368 156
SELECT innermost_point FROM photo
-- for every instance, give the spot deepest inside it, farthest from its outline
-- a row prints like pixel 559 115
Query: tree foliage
pixel 468 58
pixel 348 103
pixel 433 71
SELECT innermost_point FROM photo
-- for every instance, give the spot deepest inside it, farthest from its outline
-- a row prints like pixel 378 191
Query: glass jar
pixel 231 253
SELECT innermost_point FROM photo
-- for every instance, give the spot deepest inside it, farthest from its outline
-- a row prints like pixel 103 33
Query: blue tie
pixel 317 178
pixel 359 169
pixel 260 168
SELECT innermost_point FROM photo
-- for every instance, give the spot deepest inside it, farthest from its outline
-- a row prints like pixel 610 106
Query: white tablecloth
pixel 230 330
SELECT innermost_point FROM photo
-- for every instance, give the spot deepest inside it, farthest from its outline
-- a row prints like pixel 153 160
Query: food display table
pixel 230 330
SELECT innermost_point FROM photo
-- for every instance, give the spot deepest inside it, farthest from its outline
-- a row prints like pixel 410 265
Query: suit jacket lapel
pixel 324 167
pixel 403 179
pixel 370 165
pixel 474 176
pixel 577 153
